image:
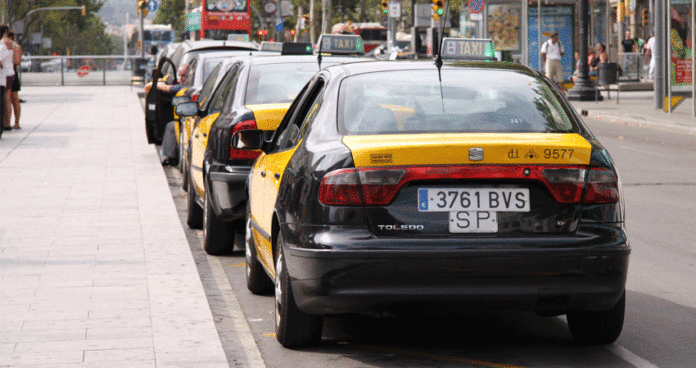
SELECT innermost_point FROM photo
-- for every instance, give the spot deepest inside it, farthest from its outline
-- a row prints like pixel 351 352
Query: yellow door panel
pixel 199 141
pixel 268 116
pixel 453 148
pixel 275 167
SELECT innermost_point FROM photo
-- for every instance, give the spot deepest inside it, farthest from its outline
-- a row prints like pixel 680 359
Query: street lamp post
pixel 584 89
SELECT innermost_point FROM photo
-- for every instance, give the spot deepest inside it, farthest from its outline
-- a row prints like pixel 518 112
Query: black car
pixel 404 187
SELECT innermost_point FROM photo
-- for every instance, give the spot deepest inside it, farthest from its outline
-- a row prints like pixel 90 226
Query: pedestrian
pixel 9 76
pixel 5 62
pixel 628 42
pixel 601 57
pixel 649 53
pixel 551 53
pixel 16 85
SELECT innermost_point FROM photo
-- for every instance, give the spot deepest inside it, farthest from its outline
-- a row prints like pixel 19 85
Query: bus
pixel 372 34
pixel 157 34
pixel 219 19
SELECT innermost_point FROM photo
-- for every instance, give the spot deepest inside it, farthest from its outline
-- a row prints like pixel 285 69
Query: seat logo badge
pixel 475 154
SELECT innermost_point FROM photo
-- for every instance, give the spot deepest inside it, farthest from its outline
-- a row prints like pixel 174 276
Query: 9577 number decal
pixel 558 153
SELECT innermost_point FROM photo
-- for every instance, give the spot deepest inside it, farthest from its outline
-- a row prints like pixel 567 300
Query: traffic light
pixel 84 11
pixel 438 10
pixel 385 7
pixel 645 18
pixel 305 19
pixel 142 8
pixel 620 12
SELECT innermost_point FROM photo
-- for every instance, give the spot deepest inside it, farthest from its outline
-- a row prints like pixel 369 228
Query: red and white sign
pixel 83 71
pixel 476 6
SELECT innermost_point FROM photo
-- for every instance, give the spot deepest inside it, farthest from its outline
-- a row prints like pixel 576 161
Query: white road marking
pixel 644 151
pixel 240 323
pixel 628 356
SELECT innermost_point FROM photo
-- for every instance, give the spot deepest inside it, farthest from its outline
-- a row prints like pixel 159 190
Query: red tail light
pixel 237 154
pixel 354 187
pixel 602 187
pixel 379 186
pixel 194 97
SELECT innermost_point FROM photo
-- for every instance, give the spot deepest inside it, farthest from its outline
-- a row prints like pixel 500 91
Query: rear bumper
pixel 440 275
pixel 227 186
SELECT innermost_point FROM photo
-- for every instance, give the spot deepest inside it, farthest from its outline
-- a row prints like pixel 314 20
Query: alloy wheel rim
pixel 247 250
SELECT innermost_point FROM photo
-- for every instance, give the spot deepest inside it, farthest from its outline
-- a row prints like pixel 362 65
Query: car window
pixel 208 87
pixel 468 100
pixel 187 81
pixel 277 83
pixel 307 112
pixel 224 90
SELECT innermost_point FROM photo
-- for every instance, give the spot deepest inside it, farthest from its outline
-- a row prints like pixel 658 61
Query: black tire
pixel 150 132
pixel 293 327
pixel 218 236
pixel 185 173
pixel 257 280
pixel 194 215
pixel 603 327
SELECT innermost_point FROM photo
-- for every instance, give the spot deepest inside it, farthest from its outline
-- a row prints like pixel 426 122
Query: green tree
pixel 171 12
pixel 67 29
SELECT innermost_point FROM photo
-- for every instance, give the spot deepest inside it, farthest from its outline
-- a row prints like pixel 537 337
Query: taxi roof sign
pixel 241 37
pixel 297 48
pixel 468 49
pixel 341 44
pixel 271 46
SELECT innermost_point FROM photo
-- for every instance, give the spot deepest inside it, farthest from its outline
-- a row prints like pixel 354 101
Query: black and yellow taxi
pixel 159 109
pixel 414 187
pixel 254 93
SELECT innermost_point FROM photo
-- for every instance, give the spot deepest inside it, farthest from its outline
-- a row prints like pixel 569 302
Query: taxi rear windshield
pixel 277 83
pixel 476 101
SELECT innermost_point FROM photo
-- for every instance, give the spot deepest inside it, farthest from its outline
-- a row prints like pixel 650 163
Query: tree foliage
pixel 68 30
pixel 171 12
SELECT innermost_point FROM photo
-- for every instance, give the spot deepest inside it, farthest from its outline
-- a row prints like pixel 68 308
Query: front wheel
pixel 218 236
pixel 257 280
pixel 194 215
pixel 293 326
pixel 602 327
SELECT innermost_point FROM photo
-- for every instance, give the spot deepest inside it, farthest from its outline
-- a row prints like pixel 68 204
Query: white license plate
pixel 473 199
pixel 473 222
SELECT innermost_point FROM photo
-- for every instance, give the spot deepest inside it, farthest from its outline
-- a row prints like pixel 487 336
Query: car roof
pixel 281 59
pixel 204 44
pixel 384 66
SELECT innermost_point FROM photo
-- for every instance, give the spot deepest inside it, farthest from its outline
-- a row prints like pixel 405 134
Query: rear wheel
pixel 194 215
pixel 257 280
pixel 602 327
pixel 293 326
pixel 218 236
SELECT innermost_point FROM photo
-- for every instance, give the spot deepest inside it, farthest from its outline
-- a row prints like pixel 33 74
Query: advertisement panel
pixel 558 18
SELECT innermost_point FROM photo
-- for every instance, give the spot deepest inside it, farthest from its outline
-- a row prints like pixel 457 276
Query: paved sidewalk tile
pixel 95 269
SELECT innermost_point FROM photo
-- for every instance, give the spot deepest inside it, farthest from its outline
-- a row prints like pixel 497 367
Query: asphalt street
pixel 656 168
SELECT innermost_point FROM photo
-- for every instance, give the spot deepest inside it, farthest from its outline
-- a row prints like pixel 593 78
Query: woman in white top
pixel 13 90
pixel 9 76
pixel 5 55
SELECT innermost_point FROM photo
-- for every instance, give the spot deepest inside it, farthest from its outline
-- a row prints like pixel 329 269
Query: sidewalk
pixel 95 269
pixel 638 108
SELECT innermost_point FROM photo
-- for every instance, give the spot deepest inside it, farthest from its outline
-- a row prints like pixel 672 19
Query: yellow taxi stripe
pixel 454 148
pixel 268 116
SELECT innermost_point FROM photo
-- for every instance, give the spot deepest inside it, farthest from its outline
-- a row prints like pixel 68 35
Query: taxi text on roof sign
pixel 468 49
pixel 341 44
pixel 238 37
pixel 271 46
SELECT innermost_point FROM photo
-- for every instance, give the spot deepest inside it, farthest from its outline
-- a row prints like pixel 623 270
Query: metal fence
pixel 77 70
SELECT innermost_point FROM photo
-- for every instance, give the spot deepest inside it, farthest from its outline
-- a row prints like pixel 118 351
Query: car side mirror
pixel 176 100
pixel 187 109
pixel 248 140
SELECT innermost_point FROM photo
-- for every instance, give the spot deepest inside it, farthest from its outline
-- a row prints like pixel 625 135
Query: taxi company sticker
pixel 531 154
pixel 381 158
pixel 548 153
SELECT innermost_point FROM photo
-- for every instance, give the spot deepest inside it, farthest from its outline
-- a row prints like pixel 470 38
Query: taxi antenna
pixel 319 52
pixel 441 26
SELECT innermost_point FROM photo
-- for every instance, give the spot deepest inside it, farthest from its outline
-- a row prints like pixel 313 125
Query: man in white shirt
pixel 551 53
pixel 650 52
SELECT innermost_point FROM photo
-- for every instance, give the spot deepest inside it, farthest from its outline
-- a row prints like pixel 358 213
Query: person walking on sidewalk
pixel 16 86
pixel 649 53
pixel 551 53
pixel 5 61
pixel 9 76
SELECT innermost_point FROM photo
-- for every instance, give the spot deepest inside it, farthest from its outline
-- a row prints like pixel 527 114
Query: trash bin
pixel 608 73
pixel 140 67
